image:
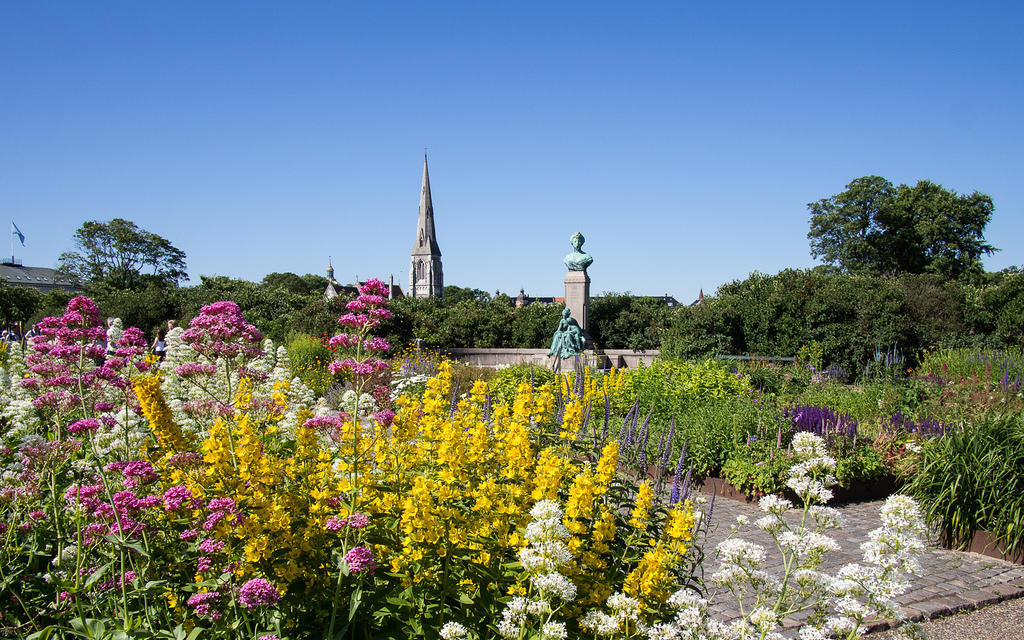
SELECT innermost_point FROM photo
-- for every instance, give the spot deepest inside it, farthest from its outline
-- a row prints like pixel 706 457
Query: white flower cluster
pixel 452 631
pixel 400 385
pixel 218 389
pixel 541 559
pixel 624 616
pixel 857 593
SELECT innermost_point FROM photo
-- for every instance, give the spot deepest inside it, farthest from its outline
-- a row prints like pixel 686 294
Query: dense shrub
pixel 849 316
pixel 505 383
pixel 670 387
pixel 309 358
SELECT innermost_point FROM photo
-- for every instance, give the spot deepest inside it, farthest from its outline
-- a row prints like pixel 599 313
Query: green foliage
pixel 672 386
pixel 848 316
pixel 309 357
pixel 810 354
pixel 534 325
pixel 712 430
pixel 505 382
pixel 17 304
pixel 147 308
pixel 758 468
pixel 973 479
pixel 988 366
pixel 695 333
pixel 270 309
pixel 307 285
pixel 454 295
pixel 319 317
pixel 859 464
pixel 623 321
pixel 118 251
pixel 875 227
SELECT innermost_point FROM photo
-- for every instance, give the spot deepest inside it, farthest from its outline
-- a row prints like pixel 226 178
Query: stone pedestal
pixel 577 299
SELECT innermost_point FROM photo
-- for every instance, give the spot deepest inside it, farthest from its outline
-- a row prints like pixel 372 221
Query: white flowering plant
pixel 829 606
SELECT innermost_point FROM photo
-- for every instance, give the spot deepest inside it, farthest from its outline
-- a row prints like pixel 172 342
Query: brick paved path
pixel 950 580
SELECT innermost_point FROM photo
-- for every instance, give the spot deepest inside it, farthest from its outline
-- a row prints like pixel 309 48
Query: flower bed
pixel 216 496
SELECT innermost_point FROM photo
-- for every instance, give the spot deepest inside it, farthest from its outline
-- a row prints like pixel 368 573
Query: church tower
pixel 426 280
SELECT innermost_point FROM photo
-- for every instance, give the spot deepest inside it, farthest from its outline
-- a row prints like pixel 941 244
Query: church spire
pixel 426 239
pixel 426 279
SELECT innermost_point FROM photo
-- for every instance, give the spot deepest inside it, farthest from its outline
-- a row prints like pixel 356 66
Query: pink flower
pixel 176 496
pixel 384 417
pixel 324 422
pixel 203 603
pixel 374 286
pixel 220 331
pixel 343 340
pixel 258 592
pixel 211 546
pixel 369 299
pixel 193 369
pixel 360 559
pixel 204 564
pixel 377 344
pixel 86 424
pixel 334 524
pixel 357 520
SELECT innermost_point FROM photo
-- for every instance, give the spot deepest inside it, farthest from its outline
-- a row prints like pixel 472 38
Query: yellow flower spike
pixel 606 467
pixel 580 504
pixel 641 510
pixel 650 581
pixel 156 411
pixel 547 475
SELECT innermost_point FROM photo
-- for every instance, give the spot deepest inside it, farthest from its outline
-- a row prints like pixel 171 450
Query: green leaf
pixel 97 574
pixel 357 598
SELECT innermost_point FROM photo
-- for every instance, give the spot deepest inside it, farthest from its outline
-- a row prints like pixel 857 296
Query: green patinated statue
pixel 568 340
pixel 578 260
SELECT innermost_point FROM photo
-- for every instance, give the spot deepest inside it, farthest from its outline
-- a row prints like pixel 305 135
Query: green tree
pixel 453 295
pixel 17 304
pixel 875 227
pixel 118 252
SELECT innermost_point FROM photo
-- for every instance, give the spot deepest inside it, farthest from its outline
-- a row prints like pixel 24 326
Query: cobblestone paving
pixel 950 581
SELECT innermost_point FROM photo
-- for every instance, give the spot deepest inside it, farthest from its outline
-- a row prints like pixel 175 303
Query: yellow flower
pixel 644 500
pixel 156 411
pixel 650 581
pixel 606 467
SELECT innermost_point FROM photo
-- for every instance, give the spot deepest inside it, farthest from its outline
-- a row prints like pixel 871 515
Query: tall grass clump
pixel 972 479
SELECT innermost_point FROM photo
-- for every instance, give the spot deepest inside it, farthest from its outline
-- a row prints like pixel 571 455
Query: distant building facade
pixel 15 274
pixel 335 289
pixel 523 300
pixel 426 278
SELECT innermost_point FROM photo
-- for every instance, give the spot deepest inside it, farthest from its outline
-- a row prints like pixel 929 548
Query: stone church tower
pixel 426 280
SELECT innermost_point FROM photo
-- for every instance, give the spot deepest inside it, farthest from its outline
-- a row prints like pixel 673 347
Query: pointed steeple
pixel 426 277
pixel 426 239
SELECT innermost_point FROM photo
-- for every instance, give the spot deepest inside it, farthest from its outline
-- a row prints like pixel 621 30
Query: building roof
pixel 41 278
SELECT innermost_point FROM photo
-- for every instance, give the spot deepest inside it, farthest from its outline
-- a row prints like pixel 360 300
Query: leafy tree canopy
pixel 876 227
pixel 17 304
pixel 302 285
pixel 454 294
pixel 117 252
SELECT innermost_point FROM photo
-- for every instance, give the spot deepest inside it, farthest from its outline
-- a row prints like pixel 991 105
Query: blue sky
pixel 683 139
